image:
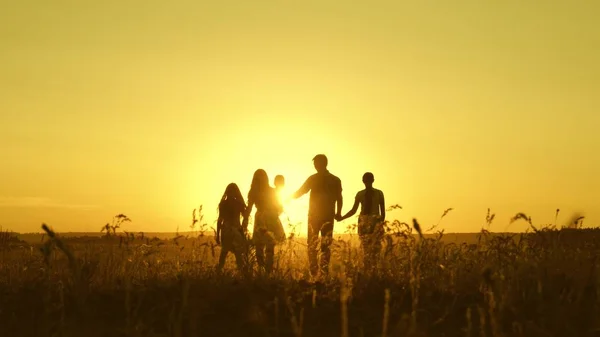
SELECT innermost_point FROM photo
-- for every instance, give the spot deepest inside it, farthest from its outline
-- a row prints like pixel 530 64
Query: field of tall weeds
pixel 540 283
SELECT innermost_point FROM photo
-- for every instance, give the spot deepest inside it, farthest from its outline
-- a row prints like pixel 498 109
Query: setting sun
pixel 154 114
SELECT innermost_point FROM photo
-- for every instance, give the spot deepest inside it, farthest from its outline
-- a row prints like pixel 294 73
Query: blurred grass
pixel 541 283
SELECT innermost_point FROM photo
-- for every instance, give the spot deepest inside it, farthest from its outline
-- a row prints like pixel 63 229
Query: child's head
pixel 232 196
pixel 279 181
pixel 232 192
pixel 368 179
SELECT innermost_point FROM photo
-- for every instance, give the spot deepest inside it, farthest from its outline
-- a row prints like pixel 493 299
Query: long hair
pixel 260 183
pixel 233 196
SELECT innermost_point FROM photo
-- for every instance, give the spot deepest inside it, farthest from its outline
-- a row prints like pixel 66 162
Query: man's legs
pixel 313 239
pixel 326 241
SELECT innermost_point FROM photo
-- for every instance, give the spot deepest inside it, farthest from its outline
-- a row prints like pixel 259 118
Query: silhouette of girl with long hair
pixel 264 197
pixel 230 233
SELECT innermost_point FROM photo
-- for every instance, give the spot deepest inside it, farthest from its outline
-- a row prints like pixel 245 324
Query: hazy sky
pixel 150 108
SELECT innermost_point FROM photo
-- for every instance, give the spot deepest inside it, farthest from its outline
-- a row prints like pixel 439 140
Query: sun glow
pixel 294 212
pixel 290 156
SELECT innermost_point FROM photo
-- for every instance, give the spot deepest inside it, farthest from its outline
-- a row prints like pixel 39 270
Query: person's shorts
pixel 324 225
pixel 369 225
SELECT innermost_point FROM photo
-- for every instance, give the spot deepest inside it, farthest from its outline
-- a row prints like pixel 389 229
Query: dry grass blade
pixel 440 220
pixel 417 227
pixel 386 313
pixel 521 216
pixel 393 207
pixel 446 212
pixel 489 218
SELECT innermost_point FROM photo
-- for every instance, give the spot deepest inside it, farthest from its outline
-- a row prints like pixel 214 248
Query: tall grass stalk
pixel 386 313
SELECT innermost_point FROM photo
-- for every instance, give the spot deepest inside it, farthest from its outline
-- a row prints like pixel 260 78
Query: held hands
pixel 338 217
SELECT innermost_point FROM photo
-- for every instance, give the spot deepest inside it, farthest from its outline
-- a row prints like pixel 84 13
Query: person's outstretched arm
pixel 382 207
pixel 303 189
pixel 352 211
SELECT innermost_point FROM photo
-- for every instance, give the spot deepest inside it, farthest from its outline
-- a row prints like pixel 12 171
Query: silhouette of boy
pixel 370 220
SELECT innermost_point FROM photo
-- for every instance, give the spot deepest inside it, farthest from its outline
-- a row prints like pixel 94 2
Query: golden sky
pixel 150 108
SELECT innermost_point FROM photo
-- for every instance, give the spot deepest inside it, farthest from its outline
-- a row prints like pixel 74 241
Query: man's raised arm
pixel 303 189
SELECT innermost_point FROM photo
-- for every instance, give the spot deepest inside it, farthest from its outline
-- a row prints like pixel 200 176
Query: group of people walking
pixel 325 207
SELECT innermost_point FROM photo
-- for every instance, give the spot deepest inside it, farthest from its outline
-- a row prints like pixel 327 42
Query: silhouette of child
pixel 230 234
pixel 278 229
pixel 370 220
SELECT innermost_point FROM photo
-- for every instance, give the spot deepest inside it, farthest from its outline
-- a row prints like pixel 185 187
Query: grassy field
pixel 541 283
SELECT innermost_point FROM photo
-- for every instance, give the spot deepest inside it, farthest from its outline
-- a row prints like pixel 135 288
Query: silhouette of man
pixel 325 194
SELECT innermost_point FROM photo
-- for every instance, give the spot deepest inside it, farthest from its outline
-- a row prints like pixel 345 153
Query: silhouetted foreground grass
pixel 538 284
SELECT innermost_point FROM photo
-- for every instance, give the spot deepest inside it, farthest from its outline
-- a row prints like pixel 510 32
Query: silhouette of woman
pixel 229 229
pixel 264 197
